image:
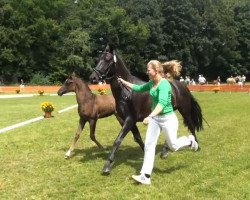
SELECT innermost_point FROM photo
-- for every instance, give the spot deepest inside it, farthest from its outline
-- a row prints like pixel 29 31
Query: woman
pixel 162 118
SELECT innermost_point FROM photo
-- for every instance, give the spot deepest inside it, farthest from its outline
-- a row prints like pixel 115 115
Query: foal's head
pixel 68 86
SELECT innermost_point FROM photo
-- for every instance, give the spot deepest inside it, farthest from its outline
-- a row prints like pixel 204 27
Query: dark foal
pixel 91 107
pixel 133 107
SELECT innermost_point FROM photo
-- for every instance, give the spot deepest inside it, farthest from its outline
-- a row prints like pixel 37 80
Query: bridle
pixel 104 76
pixel 101 76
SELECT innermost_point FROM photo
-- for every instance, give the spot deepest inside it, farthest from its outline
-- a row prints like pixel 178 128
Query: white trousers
pixel 168 124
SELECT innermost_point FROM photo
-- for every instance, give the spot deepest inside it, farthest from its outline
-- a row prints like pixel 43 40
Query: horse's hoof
pixel 107 168
pixel 105 148
pixel 67 155
pixel 106 171
pixel 164 155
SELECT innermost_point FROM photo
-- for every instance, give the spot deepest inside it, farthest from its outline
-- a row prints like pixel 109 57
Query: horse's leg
pixel 78 133
pixel 92 125
pixel 119 119
pixel 164 151
pixel 124 131
pixel 137 136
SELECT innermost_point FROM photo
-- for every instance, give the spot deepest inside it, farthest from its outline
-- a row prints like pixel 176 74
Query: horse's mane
pixel 77 78
pixel 134 79
pixel 121 60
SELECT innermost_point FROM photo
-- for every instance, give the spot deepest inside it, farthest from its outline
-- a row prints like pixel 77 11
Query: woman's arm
pixel 138 88
pixel 155 112
pixel 128 84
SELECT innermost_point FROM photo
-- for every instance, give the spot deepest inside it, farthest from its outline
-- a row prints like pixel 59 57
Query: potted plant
pixel 216 89
pixel 47 107
pixel 40 92
pixel 102 91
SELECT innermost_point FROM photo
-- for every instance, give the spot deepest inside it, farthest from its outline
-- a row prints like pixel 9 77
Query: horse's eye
pixel 108 57
pixel 67 82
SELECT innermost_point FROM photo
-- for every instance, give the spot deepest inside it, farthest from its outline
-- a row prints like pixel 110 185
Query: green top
pixel 161 94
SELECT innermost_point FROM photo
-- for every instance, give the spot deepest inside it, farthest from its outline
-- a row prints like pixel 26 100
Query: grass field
pixel 33 164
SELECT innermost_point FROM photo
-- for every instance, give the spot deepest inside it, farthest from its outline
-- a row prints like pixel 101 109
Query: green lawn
pixel 33 164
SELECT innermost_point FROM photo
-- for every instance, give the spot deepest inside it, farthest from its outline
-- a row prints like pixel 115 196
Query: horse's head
pixel 68 86
pixel 104 70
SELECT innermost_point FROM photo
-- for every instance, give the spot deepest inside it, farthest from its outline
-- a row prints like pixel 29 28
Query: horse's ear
pixel 110 48
pixel 107 48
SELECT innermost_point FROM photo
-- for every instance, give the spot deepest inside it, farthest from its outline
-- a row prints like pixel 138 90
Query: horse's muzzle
pixel 94 79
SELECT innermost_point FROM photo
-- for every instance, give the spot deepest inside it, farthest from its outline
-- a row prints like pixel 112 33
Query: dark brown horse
pixel 91 107
pixel 133 107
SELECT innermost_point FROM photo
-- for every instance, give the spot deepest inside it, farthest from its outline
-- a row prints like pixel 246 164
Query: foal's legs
pixel 81 125
pixel 92 125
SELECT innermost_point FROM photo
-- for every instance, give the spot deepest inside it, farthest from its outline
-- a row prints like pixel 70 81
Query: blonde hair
pixel 171 68
pixel 157 66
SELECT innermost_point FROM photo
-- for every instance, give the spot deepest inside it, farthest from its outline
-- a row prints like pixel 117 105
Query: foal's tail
pixel 196 114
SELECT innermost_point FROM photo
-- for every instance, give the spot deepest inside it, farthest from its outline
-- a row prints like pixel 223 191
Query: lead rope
pixel 125 95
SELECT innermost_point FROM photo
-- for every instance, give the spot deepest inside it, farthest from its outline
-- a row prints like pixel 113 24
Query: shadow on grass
pixel 127 155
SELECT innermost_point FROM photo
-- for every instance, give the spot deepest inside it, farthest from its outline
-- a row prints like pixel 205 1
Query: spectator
pixel 240 82
pixel 182 79
pixel 192 82
pixel 243 79
pixel 201 80
pixel 187 80
pixel 218 80
pixel 22 84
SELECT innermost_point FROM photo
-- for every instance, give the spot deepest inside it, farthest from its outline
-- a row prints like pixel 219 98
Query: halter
pixel 125 95
pixel 105 74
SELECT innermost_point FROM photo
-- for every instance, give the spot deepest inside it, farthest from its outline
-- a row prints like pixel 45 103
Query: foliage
pixel 47 107
pixel 55 38
pixel 40 79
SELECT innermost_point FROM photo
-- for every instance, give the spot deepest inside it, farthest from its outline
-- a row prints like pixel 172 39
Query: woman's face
pixel 151 72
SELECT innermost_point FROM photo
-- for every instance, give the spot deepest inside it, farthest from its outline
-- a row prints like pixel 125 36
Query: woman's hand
pixel 128 84
pixel 120 80
pixel 146 120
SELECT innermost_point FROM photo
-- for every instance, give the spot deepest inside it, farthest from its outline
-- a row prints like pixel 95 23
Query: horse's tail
pixel 196 114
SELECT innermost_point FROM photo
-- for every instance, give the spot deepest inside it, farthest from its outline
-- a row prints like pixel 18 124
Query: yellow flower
pixel 40 92
pixel 102 91
pixel 216 89
pixel 47 107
